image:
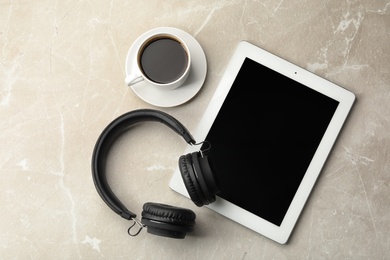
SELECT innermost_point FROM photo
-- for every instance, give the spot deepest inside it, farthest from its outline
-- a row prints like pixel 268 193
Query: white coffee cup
pixel 162 60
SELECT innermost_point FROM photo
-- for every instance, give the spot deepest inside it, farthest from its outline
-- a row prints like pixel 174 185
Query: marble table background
pixel 62 81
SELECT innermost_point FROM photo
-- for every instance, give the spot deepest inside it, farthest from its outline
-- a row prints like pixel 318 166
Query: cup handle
pixel 133 79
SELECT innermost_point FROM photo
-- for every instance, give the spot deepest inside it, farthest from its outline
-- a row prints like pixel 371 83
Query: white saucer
pixel 170 98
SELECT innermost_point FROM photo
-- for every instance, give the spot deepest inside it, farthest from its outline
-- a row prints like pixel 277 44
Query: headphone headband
pixel 108 137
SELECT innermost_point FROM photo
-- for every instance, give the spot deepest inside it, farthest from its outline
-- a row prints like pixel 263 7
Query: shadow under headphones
pixel 196 171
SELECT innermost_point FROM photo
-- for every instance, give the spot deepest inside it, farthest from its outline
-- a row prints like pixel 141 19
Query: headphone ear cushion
pixel 185 166
pixel 202 177
pixel 166 220
pixel 206 175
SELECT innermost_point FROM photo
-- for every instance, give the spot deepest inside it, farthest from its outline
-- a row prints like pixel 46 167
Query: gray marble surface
pixel 62 70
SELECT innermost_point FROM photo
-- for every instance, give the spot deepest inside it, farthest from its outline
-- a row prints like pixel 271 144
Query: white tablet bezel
pixel 345 98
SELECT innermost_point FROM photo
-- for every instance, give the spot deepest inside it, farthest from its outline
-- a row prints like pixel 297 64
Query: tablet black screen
pixel 264 137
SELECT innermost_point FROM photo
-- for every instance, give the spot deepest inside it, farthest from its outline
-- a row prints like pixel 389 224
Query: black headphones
pixel 195 168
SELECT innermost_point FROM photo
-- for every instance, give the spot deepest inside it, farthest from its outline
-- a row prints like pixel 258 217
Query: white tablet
pixel 271 125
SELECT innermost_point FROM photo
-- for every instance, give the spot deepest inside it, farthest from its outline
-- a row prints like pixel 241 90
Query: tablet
pixel 271 125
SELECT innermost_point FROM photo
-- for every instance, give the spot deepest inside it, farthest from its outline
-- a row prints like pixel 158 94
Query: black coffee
pixel 164 60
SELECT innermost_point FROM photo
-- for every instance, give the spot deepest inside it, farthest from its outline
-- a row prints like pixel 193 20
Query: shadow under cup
pixel 164 59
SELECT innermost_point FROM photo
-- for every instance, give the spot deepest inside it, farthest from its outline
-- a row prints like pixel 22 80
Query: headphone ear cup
pixel 205 176
pixel 207 172
pixel 168 221
pixel 189 179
